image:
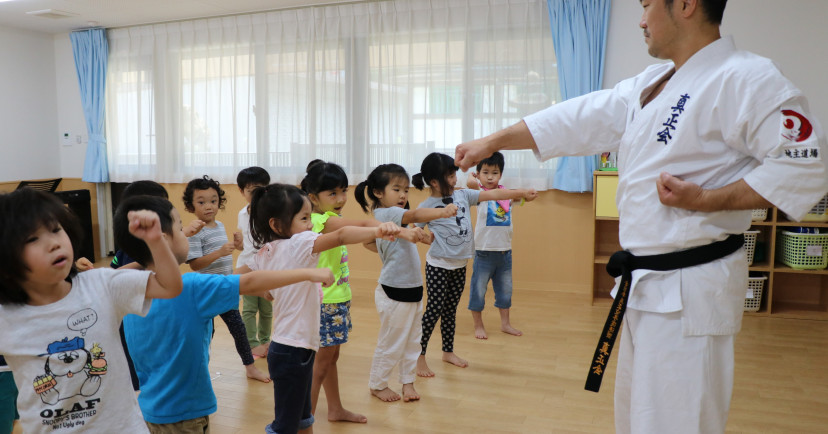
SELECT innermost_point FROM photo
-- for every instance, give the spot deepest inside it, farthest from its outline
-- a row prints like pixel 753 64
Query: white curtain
pixel 359 84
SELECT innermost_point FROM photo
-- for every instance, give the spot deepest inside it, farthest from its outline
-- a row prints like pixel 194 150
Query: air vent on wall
pixel 52 13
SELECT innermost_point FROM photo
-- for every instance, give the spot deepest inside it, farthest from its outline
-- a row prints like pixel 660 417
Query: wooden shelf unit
pixel 787 293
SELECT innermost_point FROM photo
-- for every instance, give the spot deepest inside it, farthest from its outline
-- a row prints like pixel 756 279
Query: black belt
pixel 622 264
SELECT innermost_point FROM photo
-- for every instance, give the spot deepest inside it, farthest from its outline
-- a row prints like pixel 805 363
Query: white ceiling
pixel 119 13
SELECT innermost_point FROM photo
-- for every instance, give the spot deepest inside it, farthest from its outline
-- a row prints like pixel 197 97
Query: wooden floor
pixel 534 383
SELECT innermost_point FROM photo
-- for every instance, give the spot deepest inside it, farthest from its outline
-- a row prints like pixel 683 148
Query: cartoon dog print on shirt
pixel 70 369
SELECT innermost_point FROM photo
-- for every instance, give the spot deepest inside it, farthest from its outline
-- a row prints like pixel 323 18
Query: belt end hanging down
pixel 612 327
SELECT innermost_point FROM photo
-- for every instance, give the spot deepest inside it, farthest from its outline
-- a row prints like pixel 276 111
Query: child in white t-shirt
pixel 493 249
pixel 60 328
pixel 258 332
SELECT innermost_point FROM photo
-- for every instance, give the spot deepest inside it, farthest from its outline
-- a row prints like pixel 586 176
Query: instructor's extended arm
pixel 738 195
pixel 514 137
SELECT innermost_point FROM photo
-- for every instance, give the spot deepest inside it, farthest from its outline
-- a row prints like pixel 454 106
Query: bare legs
pixel 325 375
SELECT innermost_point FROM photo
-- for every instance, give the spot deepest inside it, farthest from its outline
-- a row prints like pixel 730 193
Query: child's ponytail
pixel 378 179
pixel 436 167
pixel 279 202
pixel 417 181
pixel 322 176
pixel 359 195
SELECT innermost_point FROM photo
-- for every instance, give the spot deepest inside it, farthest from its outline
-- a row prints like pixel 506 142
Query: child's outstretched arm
pixel 205 261
pixel 472 181
pixel 503 194
pixel 355 235
pixel 335 223
pixel 193 228
pixel 257 282
pixel 166 281
pixel 425 215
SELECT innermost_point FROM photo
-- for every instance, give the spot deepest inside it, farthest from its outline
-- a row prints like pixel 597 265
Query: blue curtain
pixel 579 33
pixel 91 51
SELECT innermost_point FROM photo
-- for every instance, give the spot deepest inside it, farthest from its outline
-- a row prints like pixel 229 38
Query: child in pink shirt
pixel 280 217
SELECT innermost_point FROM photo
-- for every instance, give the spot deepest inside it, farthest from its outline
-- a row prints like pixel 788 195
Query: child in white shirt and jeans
pixel 493 249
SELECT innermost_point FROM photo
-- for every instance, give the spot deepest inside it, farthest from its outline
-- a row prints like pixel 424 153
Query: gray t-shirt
pixel 207 241
pixel 400 259
pixel 453 236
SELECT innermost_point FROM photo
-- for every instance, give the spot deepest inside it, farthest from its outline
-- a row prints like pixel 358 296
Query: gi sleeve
pixel 586 125
pixel 790 146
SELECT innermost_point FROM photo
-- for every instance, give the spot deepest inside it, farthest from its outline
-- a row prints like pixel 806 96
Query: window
pixel 359 84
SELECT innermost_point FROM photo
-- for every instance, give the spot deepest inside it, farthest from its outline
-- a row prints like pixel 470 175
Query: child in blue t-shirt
pixel 173 367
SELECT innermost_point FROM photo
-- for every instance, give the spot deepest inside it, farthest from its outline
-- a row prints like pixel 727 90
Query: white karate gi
pixel 725 115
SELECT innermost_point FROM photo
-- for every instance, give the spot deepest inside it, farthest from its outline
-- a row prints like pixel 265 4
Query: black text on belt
pixel 622 264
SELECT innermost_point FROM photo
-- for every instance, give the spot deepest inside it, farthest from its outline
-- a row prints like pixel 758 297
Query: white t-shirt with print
pixel 493 230
pixel 67 358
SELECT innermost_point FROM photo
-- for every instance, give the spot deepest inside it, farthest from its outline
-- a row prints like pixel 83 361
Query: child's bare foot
pixel 422 367
pixel 479 330
pixel 386 394
pixel 260 350
pixel 347 416
pixel 254 373
pixel 409 393
pixel 454 360
pixel 508 329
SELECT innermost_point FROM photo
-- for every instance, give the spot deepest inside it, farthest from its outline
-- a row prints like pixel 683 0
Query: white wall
pixel 69 109
pixel 791 33
pixel 28 106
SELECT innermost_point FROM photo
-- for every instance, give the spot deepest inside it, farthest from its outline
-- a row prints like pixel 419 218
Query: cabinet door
pixel 605 187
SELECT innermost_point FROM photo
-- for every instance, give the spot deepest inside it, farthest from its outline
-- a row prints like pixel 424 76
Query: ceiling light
pixel 52 13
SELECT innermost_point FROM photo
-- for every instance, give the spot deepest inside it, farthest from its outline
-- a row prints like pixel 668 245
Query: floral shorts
pixel 335 324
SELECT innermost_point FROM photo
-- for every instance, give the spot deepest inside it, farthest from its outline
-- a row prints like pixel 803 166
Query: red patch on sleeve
pixel 795 127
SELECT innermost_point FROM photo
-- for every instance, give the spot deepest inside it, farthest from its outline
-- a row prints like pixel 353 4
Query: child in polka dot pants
pixel 453 246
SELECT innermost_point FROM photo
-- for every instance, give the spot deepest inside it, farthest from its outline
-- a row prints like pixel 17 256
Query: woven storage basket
pixel 753 298
pixel 819 213
pixel 759 214
pixel 803 251
pixel 750 245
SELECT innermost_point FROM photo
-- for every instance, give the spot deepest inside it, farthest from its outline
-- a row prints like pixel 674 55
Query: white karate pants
pixel 670 383
pixel 400 331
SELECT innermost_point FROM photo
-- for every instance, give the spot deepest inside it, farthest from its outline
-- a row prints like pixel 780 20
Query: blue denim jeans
pixel 494 266
pixel 291 370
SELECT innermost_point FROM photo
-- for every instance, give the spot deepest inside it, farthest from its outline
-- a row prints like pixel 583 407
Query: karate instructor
pixel 701 141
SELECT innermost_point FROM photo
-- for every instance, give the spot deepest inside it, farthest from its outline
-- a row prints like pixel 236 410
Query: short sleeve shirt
pixel 453 237
pixel 207 241
pixel 160 357
pixel 67 358
pixel 337 260
pixel 400 259
pixel 296 308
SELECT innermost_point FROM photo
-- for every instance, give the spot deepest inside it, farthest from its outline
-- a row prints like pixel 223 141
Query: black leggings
pixel 233 320
pixel 444 288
